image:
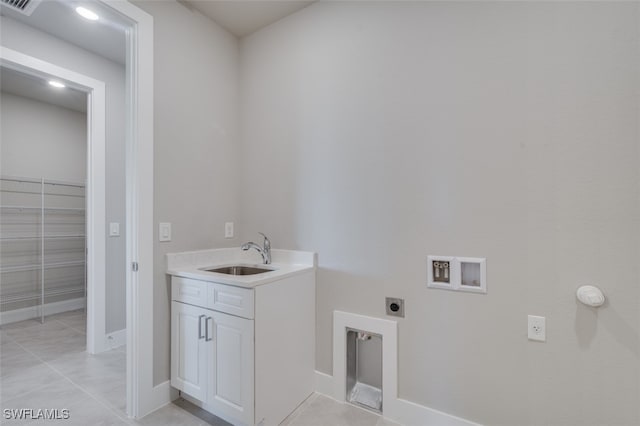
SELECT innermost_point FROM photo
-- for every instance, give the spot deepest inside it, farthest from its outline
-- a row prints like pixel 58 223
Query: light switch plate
pixel 164 232
pixel 228 230
pixel 114 229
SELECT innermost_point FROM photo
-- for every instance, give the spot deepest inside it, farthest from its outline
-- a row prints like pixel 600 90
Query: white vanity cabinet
pixel 189 350
pixel 244 354
pixel 213 355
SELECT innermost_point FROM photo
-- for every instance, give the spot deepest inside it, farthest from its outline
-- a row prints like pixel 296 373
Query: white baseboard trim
pixel 107 341
pixel 162 395
pixel 22 314
pixel 116 339
pixel 410 413
pixel 324 384
pixel 404 412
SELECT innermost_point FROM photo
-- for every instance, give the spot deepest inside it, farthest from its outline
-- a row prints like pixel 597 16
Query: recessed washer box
pixel 457 273
pixel 441 272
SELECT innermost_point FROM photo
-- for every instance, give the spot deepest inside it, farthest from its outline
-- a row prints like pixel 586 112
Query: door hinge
pixel 134 266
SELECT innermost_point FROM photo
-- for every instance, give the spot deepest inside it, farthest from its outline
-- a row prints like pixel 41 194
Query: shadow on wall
pixel 162 332
pixel 586 326
pixel 586 323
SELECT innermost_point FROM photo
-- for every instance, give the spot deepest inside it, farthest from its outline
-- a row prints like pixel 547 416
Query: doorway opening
pixel 41 59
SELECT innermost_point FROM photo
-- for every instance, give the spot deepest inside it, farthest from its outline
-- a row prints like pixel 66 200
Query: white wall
pixel 195 146
pixel 30 41
pixel 42 140
pixel 376 133
pixel 39 139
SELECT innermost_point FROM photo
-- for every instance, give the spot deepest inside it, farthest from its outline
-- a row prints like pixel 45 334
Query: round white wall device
pixel 590 295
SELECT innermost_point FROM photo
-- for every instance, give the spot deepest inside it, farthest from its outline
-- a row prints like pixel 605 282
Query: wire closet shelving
pixel 42 243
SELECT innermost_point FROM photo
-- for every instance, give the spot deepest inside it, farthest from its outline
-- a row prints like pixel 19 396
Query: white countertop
pixel 284 263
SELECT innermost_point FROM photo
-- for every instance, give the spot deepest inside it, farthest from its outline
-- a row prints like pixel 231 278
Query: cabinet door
pixel 230 390
pixel 189 350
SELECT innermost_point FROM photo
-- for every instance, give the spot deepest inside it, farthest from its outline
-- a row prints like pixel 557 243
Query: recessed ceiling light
pixel 56 84
pixel 87 14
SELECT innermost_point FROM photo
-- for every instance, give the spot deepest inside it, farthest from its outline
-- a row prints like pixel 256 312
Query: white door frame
pixel 142 396
pixel 95 197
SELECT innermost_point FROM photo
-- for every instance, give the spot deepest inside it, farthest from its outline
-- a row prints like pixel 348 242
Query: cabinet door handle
pixel 208 339
pixel 200 336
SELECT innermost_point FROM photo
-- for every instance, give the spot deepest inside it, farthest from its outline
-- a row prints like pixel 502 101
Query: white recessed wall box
pixel 473 274
pixel 457 273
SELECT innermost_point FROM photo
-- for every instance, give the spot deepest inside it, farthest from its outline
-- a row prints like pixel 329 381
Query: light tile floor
pixel 46 366
pixel 318 410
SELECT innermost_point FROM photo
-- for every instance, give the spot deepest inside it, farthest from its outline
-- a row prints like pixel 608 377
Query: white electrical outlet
pixel 537 328
pixel 228 230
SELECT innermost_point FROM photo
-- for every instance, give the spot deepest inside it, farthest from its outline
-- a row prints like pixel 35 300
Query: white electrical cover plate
pixel 464 273
pixel 228 230
pixel 114 229
pixel 164 233
pixel 537 329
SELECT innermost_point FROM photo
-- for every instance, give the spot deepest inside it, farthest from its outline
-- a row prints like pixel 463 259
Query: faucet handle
pixel 267 243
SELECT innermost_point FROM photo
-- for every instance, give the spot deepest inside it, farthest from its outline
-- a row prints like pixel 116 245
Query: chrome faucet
pixel 265 250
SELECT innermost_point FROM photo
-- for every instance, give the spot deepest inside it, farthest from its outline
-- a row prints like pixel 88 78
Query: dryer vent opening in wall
pixel 26 7
pixel 364 369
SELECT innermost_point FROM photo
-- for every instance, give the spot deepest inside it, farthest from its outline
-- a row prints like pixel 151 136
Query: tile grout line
pixel 293 416
pixel 111 408
pixel 71 327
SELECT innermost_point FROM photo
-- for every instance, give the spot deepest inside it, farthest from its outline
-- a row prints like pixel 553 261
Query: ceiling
pixel 243 17
pixel 105 37
pixel 28 86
